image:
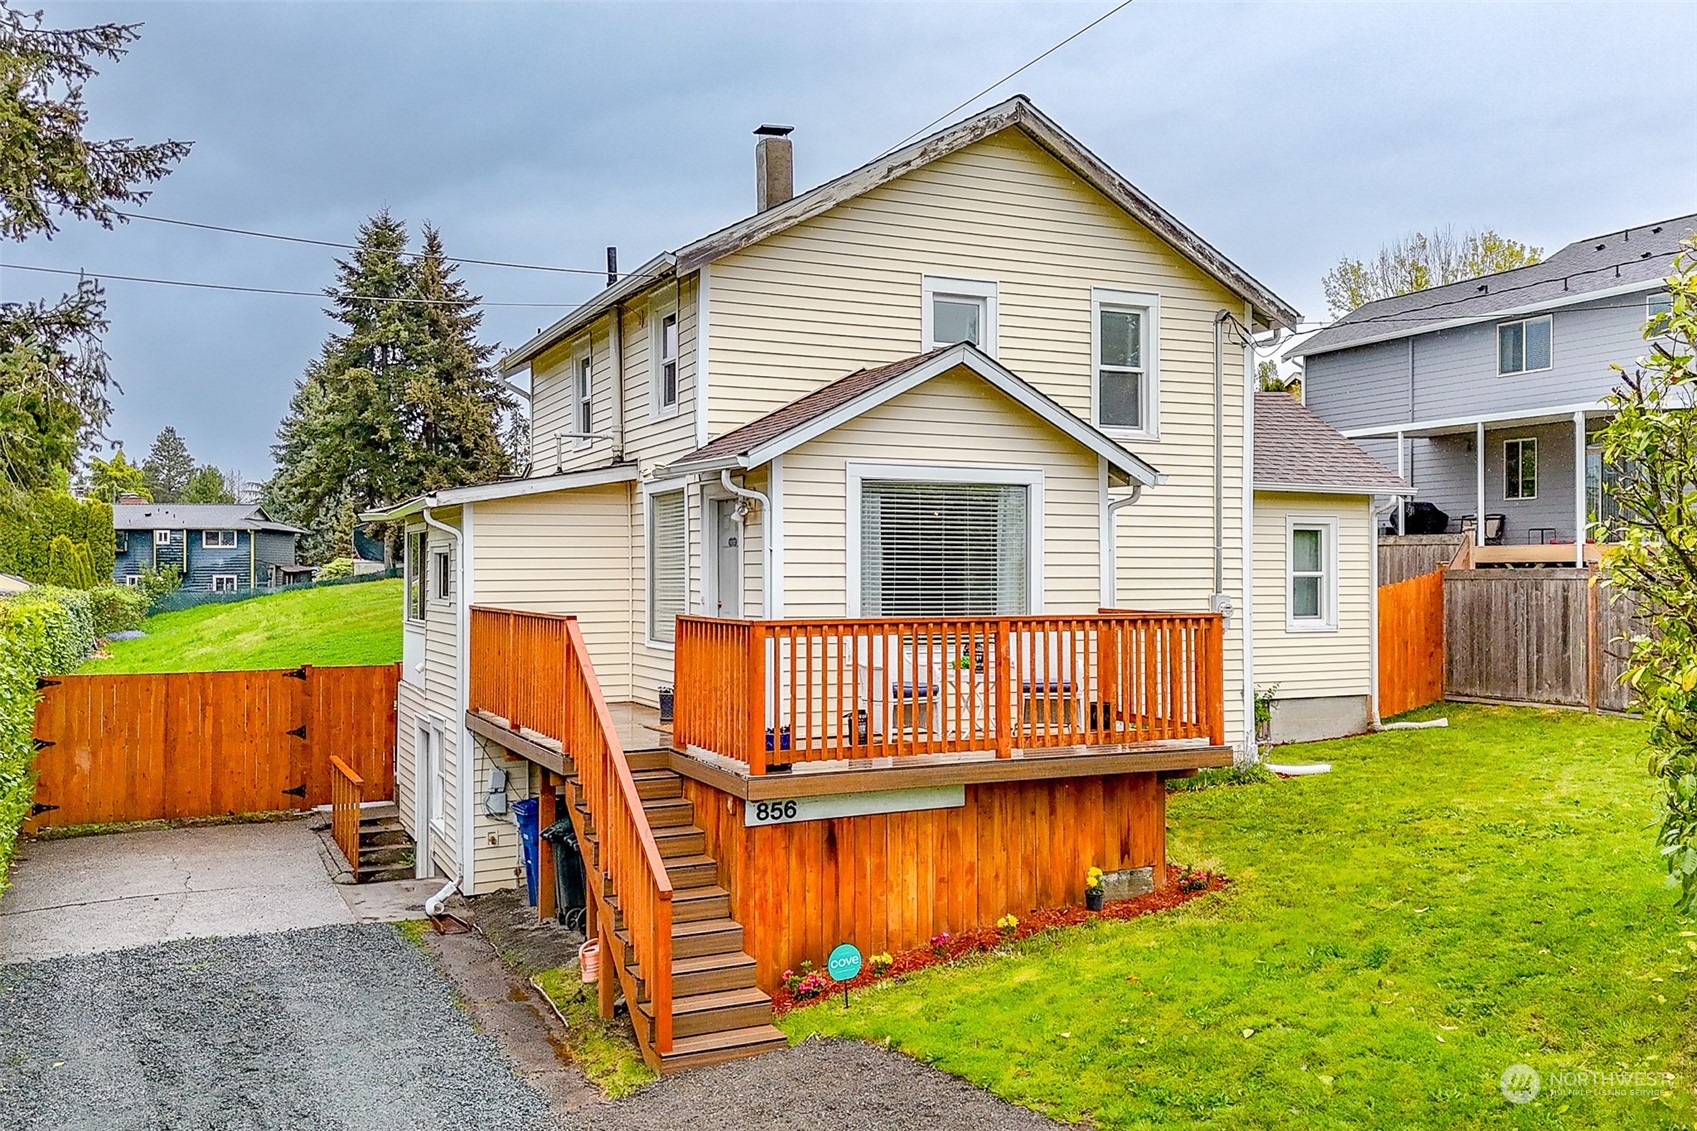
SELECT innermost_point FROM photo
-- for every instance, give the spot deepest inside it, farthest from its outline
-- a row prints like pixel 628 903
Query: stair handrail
pixel 347 793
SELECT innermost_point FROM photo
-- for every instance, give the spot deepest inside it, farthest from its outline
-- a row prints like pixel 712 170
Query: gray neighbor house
pixel 1484 394
pixel 217 547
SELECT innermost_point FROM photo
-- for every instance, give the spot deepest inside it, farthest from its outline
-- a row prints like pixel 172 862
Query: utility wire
pixel 1016 71
pixel 278 290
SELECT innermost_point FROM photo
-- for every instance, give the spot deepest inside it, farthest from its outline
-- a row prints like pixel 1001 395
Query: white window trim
pixel 235 582
pixel 132 579
pixel 586 354
pixel 206 542
pixel 1523 323
pixel 1536 473
pixel 121 541
pixel 441 576
pixel 858 471
pixel 408 568
pixel 1328 619
pixel 435 802
pixel 1150 304
pixel 649 490
pixel 932 286
pixel 657 315
pixel 161 537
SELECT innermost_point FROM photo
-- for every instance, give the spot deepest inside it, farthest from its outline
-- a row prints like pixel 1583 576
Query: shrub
pixel 42 631
pixel 335 569
pixel 31 521
pixel 117 608
pixel 68 564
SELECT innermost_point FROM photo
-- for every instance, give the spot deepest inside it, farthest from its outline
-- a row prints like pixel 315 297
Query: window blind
pixel 667 564
pixel 944 549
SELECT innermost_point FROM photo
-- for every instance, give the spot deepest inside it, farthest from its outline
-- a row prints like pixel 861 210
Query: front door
pixel 727 559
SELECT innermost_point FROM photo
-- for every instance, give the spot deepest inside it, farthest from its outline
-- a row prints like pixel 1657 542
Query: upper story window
pixel 1520 469
pixel 959 310
pixel 161 537
pixel 1311 575
pixel 668 563
pixel 121 541
pixel 1124 351
pixel 439 568
pixel 1523 347
pixel 218 539
pixel 583 390
pixel 665 348
pixel 416 579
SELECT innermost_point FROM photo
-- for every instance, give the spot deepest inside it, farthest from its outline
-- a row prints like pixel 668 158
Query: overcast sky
pixel 1287 135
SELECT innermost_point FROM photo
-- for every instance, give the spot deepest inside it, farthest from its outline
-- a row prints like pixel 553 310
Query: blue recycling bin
pixel 524 812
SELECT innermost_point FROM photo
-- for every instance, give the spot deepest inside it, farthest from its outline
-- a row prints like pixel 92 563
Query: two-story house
pixel 1484 393
pixel 928 499
pixel 221 548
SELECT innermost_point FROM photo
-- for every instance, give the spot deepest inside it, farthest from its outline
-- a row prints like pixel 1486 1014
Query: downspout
pixel 1111 567
pixel 765 504
pixel 462 755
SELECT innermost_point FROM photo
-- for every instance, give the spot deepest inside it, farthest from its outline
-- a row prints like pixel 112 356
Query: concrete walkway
pixel 86 895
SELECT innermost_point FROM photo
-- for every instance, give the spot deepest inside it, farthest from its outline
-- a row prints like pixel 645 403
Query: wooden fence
pixel 1405 556
pixel 116 748
pixel 1536 636
pixel 1411 643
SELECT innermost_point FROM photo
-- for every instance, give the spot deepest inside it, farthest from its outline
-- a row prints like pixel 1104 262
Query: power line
pixel 356 247
pixel 278 290
pixel 1027 65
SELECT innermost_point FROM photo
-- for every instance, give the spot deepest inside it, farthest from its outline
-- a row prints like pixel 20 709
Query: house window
pixel 944 549
pixel 132 579
pixel 161 537
pixel 1523 347
pixel 439 565
pixel 1311 575
pixel 223 583
pixel 1657 306
pixel 416 579
pixel 666 363
pixel 1124 349
pixel 435 784
pixel 218 539
pixel 1520 469
pixel 668 555
pixel 583 392
pixel 959 310
pixel 121 541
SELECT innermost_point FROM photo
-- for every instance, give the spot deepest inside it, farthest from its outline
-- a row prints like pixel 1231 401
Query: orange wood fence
pixel 116 748
pixel 533 670
pixel 779 691
pixel 346 792
pixel 1411 643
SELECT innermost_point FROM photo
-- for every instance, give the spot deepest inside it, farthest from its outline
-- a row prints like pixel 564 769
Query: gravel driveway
pixel 333 1027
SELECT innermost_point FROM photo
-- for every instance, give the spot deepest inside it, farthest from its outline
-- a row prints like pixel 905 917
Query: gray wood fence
pixel 1415 555
pixel 1536 636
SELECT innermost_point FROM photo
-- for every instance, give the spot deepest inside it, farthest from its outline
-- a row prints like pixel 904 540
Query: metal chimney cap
pixel 774 131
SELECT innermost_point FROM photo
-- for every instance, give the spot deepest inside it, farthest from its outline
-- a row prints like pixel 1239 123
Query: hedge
pixel 43 631
pixel 51 537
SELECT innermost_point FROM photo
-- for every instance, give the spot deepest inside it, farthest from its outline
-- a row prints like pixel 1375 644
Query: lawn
pixel 1443 905
pixel 337 624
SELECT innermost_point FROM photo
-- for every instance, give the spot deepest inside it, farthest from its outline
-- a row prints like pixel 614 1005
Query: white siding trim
pixel 468 750
pixel 703 326
pixel 857 471
pixel 649 490
pixel 1246 543
pixel 1328 621
pixel 775 532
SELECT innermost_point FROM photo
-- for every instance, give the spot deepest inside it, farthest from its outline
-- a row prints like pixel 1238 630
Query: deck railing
pixel 532 669
pixel 782 691
pixel 347 791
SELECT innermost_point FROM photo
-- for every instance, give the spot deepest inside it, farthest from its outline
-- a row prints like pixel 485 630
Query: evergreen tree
pixel 168 467
pixel 208 485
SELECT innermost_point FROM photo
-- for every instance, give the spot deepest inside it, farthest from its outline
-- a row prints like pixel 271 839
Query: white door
pixel 426 801
pixel 727 559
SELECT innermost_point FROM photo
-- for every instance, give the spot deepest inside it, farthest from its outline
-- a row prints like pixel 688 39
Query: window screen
pixel 944 549
pixel 667 564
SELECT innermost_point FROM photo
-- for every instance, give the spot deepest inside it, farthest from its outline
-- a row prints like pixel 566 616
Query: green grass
pixel 605 1051
pixel 1444 904
pixel 336 624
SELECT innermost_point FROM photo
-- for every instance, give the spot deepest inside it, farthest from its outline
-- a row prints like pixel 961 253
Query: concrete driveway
pixel 86 895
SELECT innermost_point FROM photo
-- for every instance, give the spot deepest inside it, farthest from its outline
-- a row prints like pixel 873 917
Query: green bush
pixel 42 632
pixel 69 565
pixel 31 521
pixel 335 569
pixel 117 608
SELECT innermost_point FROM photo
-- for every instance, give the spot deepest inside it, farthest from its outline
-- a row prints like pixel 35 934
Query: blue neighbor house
pixel 218 548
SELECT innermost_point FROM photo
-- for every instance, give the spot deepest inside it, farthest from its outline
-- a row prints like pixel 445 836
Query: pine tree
pixel 110 478
pixel 168 467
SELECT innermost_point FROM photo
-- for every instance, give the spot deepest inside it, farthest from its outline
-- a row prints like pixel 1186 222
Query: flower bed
pixel 947 947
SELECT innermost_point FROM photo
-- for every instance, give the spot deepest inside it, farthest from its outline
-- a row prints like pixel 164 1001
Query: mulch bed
pixel 984 939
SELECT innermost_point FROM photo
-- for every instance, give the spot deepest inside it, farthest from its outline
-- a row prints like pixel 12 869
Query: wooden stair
pixel 385 846
pixel 718 1013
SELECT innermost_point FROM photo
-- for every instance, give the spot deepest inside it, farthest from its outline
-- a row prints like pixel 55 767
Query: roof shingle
pixel 1295 449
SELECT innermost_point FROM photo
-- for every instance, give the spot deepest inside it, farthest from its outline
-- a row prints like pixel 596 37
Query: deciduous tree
pixel 108 479
pixel 208 485
pixel 1417 261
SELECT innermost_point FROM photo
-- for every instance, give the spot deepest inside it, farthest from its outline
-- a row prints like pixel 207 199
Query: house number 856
pixel 774 811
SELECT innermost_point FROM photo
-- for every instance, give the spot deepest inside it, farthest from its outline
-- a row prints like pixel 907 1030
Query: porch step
pixel 680 840
pixel 383 831
pixel 695 905
pixel 699 937
pixel 383 875
pixel 691 871
pixel 657 784
pixel 716 1048
pixel 648 760
pixel 724 1011
pixel 666 812
pixel 711 973
pixel 373 856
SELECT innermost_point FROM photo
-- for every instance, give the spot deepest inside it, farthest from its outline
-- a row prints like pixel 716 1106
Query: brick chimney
pixel 774 166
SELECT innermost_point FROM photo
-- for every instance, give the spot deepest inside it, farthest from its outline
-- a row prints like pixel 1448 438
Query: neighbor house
pixel 925 499
pixel 1485 393
pixel 222 548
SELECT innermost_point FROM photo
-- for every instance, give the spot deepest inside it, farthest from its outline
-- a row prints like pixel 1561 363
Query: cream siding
pixel 496 862
pixel 950 421
pixel 843 290
pixel 1314 664
pixel 440 700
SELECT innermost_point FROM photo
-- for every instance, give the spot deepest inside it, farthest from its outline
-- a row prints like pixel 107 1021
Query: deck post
pixel 754 722
pixel 545 816
pixel 1479 484
pixel 1004 690
pixel 605 985
pixel 1213 677
pixel 1579 500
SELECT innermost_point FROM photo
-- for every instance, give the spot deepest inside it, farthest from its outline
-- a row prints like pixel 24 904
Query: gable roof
pixel 196 516
pixel 1015 113
pixel 1637 259
pixel 767 437
pixel 1297 451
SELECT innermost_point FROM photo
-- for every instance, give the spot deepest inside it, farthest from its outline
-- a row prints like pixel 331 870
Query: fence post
pixel 1216 679
pixel 1004 690
pixel 1593 656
